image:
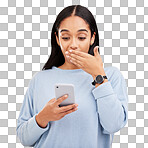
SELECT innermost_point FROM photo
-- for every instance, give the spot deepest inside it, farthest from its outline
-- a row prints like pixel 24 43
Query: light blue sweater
pixel 102 111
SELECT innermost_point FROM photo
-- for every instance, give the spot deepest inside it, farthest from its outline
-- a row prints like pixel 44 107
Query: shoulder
pixel 115 76
pixel 40 75
pixel 112 70
pixel 113 73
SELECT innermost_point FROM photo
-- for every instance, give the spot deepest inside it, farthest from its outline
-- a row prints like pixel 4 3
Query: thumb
pixel 96 52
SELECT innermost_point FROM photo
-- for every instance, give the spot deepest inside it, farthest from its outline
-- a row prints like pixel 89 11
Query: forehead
pixel 73 24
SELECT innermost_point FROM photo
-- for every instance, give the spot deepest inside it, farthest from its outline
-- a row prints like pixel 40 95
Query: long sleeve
pixel 112 102
pixel 28 131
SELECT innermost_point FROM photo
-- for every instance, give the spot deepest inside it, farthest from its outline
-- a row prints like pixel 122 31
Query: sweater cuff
pixel 103 90
pixel 36 128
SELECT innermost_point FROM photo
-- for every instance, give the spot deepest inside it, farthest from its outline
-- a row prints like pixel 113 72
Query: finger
pixel 80 53
pixel 70 111
pixel 77 57
pixel 76 62
pixel 95 50
pixel 99 57
pixel 61 99
pixel 66 108
pixel 52 100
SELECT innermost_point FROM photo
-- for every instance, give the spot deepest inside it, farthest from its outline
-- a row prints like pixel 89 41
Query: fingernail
pixel 66 52
pixel 65 96
pixel 70 50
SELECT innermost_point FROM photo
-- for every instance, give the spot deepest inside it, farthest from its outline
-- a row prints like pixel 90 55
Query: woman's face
pixel 72 37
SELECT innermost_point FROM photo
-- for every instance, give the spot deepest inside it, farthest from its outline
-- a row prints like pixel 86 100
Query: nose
pixel 73 44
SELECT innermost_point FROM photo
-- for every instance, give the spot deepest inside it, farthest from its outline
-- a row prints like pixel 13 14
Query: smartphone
pixel 62 89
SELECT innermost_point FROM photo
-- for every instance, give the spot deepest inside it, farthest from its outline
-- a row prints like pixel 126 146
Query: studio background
pixel 25 45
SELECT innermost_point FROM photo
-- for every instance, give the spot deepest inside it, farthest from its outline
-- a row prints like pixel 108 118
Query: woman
pixel 101 107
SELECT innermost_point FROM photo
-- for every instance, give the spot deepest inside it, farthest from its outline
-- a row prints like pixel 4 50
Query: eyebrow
pixel 77 31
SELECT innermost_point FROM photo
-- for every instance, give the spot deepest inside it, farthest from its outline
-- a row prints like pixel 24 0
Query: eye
pixel 64 38
pixel 82 38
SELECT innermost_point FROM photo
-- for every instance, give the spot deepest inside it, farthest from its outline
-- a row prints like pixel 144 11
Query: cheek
pixel 63 46
pixel 84 46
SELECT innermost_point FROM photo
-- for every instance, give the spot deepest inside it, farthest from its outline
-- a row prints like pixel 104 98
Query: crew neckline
pixel 66 70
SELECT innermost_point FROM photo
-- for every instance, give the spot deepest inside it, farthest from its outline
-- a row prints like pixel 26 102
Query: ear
pixel 93 38
pixel 57 39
